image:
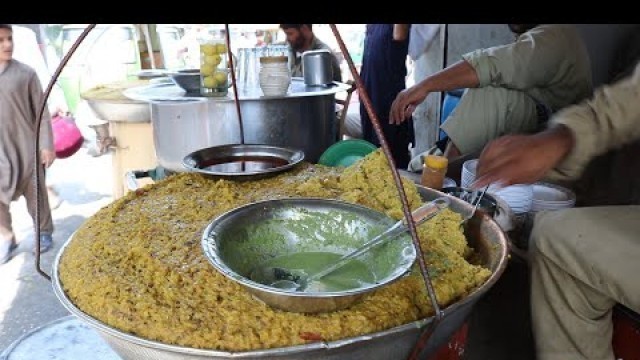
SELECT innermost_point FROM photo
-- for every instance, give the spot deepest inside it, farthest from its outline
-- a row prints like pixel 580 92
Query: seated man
pixel 584 260
pixel 510 88
pixel 301 38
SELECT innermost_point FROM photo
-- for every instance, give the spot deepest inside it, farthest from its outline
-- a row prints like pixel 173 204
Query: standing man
pixel 20 97
pixel 301 38
pixel 511 88
pixel 384 73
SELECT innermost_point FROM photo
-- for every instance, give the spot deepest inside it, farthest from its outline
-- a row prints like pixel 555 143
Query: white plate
pixel 519 197
pixel 470 166
pixel 549 193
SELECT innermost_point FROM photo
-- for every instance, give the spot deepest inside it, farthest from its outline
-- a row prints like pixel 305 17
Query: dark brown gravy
pixel 240 164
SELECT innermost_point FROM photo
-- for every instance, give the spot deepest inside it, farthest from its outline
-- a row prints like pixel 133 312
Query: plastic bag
pixel 67 137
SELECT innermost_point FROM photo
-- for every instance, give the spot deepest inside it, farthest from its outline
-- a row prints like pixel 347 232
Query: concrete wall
pixel 603 43
pixel 464 38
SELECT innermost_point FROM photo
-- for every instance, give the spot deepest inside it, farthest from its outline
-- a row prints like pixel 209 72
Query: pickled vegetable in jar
pixel 434 171
pixel 214 72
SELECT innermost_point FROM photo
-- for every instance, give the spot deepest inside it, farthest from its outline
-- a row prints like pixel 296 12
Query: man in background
pixel 384 74
pixel 301 38
pixel 28 52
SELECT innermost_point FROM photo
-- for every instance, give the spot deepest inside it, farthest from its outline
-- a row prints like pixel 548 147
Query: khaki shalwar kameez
pixel 20 97
pixel 585 260
pixel 544 70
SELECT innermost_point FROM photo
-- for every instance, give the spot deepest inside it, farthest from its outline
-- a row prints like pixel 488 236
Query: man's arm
pixel 523 159
pixel 457 76
pixel 530 61
pixel 36 94
pixel 610 119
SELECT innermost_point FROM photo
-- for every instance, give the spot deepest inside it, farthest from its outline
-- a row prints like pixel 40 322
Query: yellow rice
pixel 137 264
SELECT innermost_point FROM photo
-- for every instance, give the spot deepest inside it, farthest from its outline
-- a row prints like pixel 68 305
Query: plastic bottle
pixel 434 171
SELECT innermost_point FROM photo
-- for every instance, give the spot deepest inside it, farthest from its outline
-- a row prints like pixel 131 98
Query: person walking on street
pixel 21 94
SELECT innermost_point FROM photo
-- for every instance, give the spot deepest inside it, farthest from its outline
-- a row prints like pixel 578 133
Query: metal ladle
pixel 285 279
pixel 477 201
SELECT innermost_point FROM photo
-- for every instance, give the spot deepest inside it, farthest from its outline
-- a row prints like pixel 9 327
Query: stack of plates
pixel 551 197
pixel 518 197
pixel 468 174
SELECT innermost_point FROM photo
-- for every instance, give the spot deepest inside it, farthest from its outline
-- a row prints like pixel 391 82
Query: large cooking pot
pixel 483 234
pixel 303 119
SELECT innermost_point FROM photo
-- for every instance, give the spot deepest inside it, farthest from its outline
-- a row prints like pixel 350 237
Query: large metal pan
pixel 484 235
pixel 242 161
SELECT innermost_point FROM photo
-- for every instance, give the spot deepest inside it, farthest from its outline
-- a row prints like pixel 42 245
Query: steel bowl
pixel 243 238
pixel 242 161
pixel 187 79
pixel 121 110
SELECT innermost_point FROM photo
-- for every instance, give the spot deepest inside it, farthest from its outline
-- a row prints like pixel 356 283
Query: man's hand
pixel 405 104
pixel 522 159
pixel 457 76
pixel 47 157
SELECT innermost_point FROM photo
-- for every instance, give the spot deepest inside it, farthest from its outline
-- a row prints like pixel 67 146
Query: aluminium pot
pixel 316 67
pixel 304 119
pixel 484 235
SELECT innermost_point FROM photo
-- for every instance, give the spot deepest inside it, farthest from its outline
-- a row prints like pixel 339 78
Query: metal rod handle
pixel 43 104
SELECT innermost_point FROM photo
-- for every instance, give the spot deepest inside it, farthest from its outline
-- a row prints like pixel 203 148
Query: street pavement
pixel 27 300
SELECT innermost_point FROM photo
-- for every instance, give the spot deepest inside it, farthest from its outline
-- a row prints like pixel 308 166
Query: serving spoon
pixel 476 199
pixel 286 279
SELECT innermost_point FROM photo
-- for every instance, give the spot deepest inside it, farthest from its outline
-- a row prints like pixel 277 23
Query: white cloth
pixel 352 125
pixel 421 37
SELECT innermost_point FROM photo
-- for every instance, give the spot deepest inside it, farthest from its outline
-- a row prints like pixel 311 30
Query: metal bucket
pixel 484 235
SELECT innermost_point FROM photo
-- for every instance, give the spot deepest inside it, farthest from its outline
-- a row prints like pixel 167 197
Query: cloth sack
pixel 67 138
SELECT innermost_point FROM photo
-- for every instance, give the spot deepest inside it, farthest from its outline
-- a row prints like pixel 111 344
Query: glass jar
pixel 275 76
pixel 214 72
pixel 434 171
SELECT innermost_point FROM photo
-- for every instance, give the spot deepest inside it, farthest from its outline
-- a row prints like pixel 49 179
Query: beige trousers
pixel 583 262
pixel 29 192
pixel 484 114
